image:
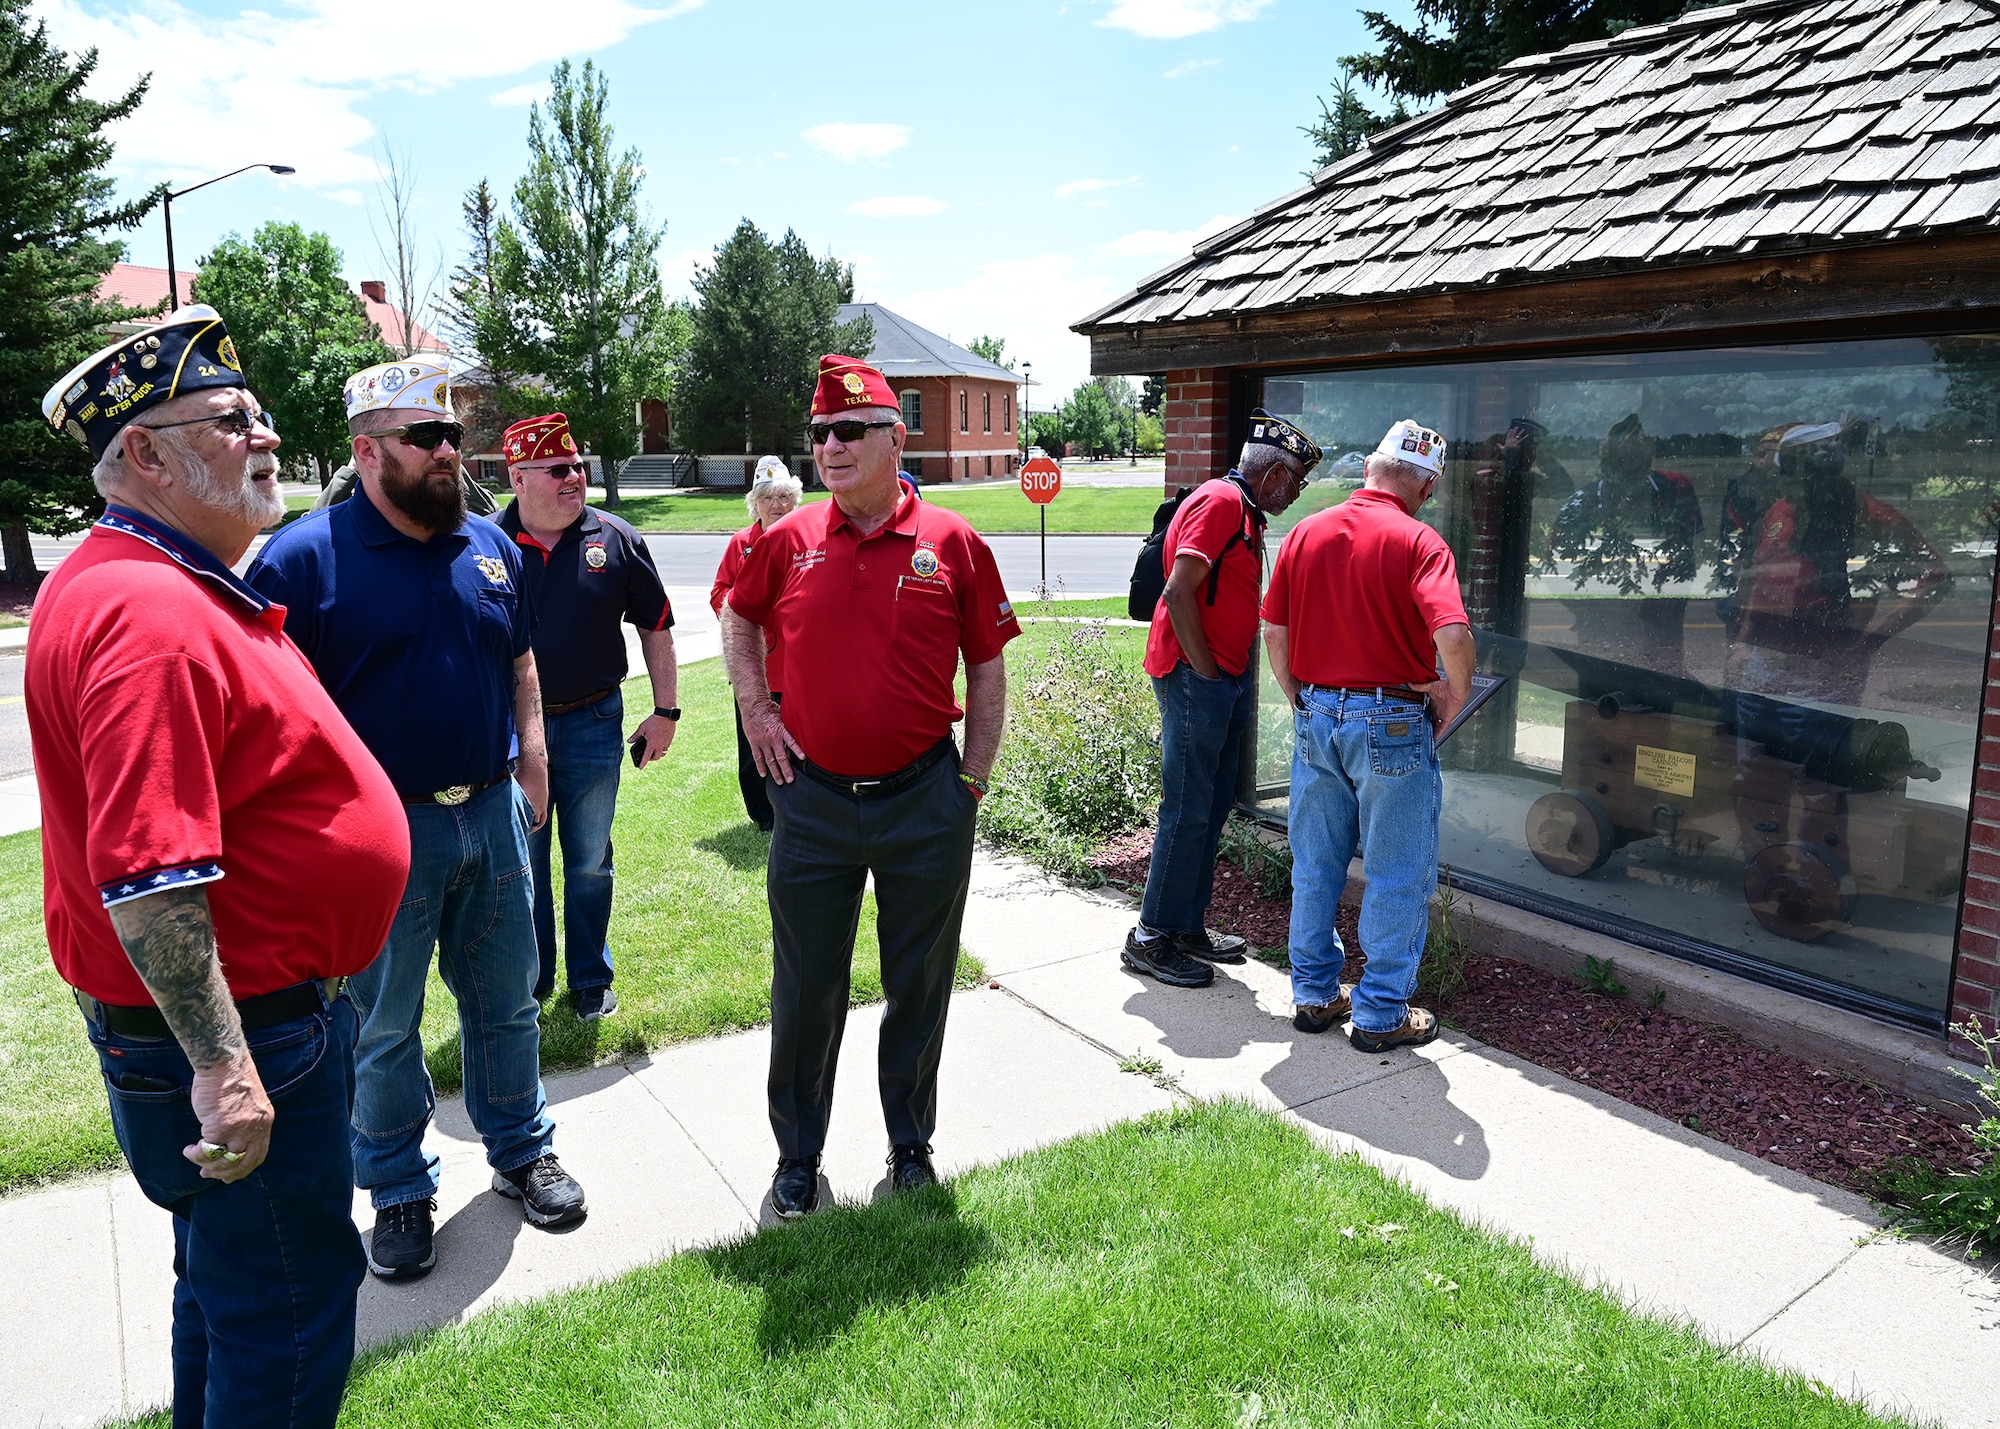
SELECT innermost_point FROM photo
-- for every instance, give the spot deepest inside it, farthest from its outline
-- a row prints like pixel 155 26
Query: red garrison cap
pixel 538 439
pixel 846 383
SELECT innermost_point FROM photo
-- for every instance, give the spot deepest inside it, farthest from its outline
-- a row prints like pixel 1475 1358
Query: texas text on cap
pixel 187 352
pixel 846 383
pixel 538 439
pixel 1414 446
pixel 1269 431
pixel 407 383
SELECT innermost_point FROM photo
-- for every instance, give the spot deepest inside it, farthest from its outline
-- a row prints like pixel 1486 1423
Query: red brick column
pixel 1196 415
pixel 1975 988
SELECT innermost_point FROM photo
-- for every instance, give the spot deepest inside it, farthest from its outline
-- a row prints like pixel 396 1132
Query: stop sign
pixel 1041 479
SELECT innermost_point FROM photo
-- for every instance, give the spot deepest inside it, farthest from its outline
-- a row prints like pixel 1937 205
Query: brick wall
pixel 949 454
pixel 1975 991
pixel 1196 416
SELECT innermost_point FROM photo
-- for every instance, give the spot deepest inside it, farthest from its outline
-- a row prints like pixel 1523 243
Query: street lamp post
pixel 167 209
pixel 1135 428
pixel 1021 419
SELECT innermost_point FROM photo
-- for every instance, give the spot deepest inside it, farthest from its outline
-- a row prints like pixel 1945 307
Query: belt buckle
pixel 455 795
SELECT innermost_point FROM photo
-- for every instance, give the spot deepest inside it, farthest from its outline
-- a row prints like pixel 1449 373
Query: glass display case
pixel 1743 600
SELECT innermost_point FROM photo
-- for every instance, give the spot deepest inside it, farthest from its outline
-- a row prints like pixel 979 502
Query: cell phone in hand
pixel 638 747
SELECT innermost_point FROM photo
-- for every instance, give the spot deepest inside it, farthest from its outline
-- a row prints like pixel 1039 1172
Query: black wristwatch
pixel 672 714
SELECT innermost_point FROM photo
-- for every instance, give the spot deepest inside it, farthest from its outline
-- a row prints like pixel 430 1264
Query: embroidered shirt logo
pixel 494 569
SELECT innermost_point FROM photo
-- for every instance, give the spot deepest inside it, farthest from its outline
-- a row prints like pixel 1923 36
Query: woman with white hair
pixel 774 492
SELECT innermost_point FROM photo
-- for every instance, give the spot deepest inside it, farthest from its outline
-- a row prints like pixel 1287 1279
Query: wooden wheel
pixel 1799 891
pixel 1570 833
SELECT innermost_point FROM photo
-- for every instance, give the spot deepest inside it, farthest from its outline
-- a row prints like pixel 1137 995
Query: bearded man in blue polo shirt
pixel 415 619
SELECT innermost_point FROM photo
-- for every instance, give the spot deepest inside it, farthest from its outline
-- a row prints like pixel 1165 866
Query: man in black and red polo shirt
pixel 873 597
pixel 586 571
pixel 219 851
pixel 1199 655
pixel 1362 612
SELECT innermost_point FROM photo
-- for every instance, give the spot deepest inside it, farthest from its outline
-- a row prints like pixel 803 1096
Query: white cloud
pixel 1159 243
pixel 1177 19
pixel 289 87
pixel 677 272
pixel 897 206
pixel 1028 301
pixel 1182 71
pixel 1091 186
pixel 522 94
pixel 852 142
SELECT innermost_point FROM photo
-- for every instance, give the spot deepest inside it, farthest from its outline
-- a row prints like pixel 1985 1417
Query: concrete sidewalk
pixel 675 1151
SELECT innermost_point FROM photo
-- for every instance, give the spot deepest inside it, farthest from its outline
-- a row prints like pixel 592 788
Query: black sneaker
pixel 548 1194
pixel 593 1004
pixel 1211 946
pixel 1161 959
pixel 402 1248
pixel 910 1168
pixel 795 1189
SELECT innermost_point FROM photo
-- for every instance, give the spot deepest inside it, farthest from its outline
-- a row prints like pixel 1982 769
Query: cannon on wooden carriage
pixel 1813 802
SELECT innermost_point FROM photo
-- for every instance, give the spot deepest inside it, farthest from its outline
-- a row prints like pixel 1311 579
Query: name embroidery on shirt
pixel 803 561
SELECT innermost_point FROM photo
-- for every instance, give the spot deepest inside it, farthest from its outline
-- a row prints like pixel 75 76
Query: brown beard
pixel 433 505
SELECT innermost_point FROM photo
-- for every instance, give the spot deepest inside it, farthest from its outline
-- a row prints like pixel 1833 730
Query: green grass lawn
pixel 1111 605
pixel 991 509
pixel 690 940
pixel 1209 1266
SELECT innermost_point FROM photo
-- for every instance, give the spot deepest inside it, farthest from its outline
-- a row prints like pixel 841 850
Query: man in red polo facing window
pixel 873 597
pixel 219 850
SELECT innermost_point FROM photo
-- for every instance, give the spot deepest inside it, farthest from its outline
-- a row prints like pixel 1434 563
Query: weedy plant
pixel 1081 762
pixel 1957 1207
pixel 1441 974
pixel 1268 862
pixel 1601 977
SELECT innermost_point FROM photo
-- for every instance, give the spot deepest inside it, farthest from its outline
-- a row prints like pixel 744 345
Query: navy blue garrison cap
pixel 188 351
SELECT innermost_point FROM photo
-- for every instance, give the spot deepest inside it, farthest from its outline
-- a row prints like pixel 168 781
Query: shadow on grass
pixel 742 846
pixel 819 1274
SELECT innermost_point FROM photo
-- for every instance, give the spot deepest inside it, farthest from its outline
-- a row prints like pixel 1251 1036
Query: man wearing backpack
pixel 1199 653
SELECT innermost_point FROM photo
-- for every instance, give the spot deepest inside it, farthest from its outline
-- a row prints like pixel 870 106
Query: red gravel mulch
pixel 17 599
pixel 1777 1107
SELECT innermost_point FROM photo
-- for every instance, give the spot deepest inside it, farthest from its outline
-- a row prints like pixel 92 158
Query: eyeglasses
pixel 426 436
pixel 846 431
pixel 566 470
pixel 236 422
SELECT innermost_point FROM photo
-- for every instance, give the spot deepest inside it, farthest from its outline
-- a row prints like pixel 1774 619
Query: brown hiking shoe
pixel 1308 1018
pixel 1419 1026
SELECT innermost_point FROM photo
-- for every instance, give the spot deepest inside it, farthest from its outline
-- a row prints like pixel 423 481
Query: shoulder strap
pixel 1248 513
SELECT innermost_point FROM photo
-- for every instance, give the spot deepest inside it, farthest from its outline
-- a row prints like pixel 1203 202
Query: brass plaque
pixel 1668 770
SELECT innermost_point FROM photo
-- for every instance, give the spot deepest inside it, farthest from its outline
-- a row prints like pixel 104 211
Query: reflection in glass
pixel 1744 597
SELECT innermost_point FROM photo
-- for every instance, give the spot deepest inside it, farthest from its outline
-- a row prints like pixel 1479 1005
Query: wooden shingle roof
pixel 1769 126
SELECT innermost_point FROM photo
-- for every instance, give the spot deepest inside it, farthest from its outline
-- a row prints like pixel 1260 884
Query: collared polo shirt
pixel 1214 512
pixel 180 739
pixel 1361 588
pixel 415 640
pixel 726 571
pixel 873 626
pixel 599 573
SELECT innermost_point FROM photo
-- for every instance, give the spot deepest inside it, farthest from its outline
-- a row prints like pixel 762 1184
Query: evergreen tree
pixel 55 213
pixel 1460 42
pixel 574 297
pixel 301 332
pixel 1155 396
pixel 1344 124
pixel 765 314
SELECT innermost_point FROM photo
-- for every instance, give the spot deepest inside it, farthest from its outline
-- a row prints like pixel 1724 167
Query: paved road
pixel 14 756
pixel 1078 565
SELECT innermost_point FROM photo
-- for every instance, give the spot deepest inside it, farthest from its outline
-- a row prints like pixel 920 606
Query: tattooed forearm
pixel 528 708
pixel 170 939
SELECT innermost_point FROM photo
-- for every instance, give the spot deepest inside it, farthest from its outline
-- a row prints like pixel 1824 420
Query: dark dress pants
pixel 917 842
pixel 756 803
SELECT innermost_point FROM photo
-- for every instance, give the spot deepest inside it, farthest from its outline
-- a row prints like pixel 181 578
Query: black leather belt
pixel 268 1010
pixel 456 794
pixel 564 707
pixel 1384 692
pixel 884 784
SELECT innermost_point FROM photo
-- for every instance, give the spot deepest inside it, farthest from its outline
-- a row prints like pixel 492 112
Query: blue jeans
pixel 265 1269
pixel 586 750
pixel 1202 727
pixel 468 897
pixel 1364 771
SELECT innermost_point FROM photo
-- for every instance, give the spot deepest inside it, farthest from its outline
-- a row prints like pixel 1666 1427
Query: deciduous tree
pixel 55 217
pixel 1090 421
pixel 993 349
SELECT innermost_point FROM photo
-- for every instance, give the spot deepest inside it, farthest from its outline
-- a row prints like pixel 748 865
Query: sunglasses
pixel 426 436
pixel 564 472
pixel 236 422
pixel 846 431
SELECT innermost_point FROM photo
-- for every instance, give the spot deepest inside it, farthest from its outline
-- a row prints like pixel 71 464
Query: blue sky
pixel 988 168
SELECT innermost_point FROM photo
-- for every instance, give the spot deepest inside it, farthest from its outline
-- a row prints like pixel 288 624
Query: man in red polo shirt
pixel 873 596
pixel 1363 610
pixel 191 768
pixel 1199 652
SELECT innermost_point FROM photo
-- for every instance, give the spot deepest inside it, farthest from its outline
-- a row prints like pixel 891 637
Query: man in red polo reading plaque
pixel 873 596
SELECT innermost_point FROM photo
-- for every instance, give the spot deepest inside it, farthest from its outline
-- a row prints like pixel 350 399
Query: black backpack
pixel 1149 572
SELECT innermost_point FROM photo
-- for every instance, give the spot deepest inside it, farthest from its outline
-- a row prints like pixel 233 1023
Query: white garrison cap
pixel 410 382
pixel 1415 446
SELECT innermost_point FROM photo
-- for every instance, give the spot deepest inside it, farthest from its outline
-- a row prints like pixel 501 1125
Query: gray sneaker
pixel 593 1004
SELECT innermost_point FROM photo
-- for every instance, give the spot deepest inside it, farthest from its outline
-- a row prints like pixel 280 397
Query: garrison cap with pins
pixel 410 382
pixel 1414 445
pixel 187 351
pixel 1269 431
